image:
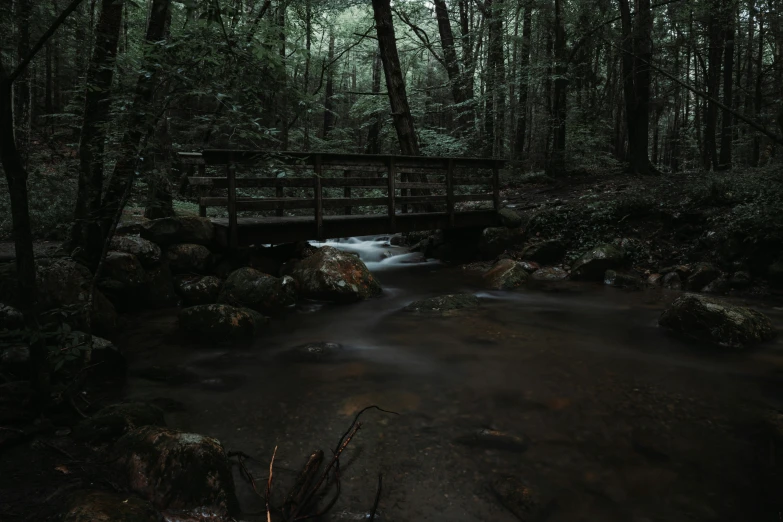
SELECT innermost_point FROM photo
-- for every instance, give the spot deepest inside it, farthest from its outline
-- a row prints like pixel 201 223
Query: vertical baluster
pixel 347 193
pixel 450 191
pixel 233 233
pixel 392 173
pixel 319 211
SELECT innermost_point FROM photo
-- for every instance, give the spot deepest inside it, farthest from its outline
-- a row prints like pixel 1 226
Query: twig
pixel 269 486
pixel 377 497
pixel 3 428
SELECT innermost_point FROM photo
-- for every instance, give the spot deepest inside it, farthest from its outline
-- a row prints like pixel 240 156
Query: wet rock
pixel 313 353
pixel 717 286
pixel 398 240
pixel 115 420
pixel 122 279
pixel 147 252
pixel 655 280
pixel 198 290
pixel 710 321
pixel 332 275
pixel 189 258
pixel 524 501
pixel 173 230
pixel 672 281
pixel 740 280
pixel 65 283
pixel 102 506
pixel 444 304
pixel 159 289
pixel 545 252
pixel 250 288
pixel 593 264
pixel 10 318
pixel 622 279
pixel 221 322
pixel 507 274
pixel 529 266
pixel 495 440
pixel 701 275
pixel 496 240
pixel 683 271
pixel 176 470
pixel 549 273
pixel 509 218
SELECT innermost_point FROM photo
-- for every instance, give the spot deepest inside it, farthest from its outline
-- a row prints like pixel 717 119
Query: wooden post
pixel 392 173
pixel 279 195
pixel 450 191
pixel 404 192
pixel 202 172
pixel 496 187
pixel 347 193
pixel 233 232
pixel 319 211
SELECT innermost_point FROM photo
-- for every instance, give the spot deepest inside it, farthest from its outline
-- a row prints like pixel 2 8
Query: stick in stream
pixel 377 497
pixel 269 486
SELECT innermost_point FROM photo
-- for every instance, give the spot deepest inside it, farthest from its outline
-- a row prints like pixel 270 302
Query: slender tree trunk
pixel 283 103
pixel 728 94
pixel 459 87
pixel 374 132
pixel 329 114
pixel 22 83
pixel 142 117
pixel 556 165
pixel 524 79
pixel 758 98
pixel 715 32
pixel 395 83
pixel 86 231
pixel 308 59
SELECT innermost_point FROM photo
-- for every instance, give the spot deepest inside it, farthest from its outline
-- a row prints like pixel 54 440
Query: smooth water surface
pixel 623 422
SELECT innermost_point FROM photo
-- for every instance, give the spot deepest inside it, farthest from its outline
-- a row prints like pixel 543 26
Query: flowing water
pixel 614 420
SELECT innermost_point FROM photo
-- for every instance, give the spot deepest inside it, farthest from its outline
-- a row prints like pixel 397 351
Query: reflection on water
pixel 623 422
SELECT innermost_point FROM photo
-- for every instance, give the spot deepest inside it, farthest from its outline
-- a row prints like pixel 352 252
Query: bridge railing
pixel 417 178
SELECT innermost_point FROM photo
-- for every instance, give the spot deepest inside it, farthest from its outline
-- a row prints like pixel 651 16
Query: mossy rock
pixel 592 265
pixel 509 218
pixel 549 274
pixel 221 322
pixel 189 258
pixel 250 288
pixel 171 230
pixel 198 290
pixel 701 275
pixel 102 506
pixel 545 252
pixel 507 274
pixel 710 321
pixel 176 470
pixel 622 279
pixel 147 252
pixel 332 275
pixel 444 304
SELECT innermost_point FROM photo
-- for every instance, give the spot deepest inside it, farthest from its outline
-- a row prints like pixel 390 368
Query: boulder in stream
pixel 176 470
pixel 509 218
pixel 592 265
pixel 506 274
pixel 444 304
pixel 189 258
pixel 332 275
pixel 147 252
pixel 198 290
pixel 710 321
pixel 220 322
pixel 123 279
pixel 549 273
pixel 103 506
pixel 622 279
pixel 701 275
pixel 171 230
pixel 672 281
pixel 250 288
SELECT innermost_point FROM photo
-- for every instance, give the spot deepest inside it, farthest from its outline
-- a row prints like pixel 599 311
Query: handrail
pixel 391 165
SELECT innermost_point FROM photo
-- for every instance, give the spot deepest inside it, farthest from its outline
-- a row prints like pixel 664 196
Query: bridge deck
pixel 422 185
pixel 273 230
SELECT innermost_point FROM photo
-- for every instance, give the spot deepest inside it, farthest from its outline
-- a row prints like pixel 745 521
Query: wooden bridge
pixel 308 201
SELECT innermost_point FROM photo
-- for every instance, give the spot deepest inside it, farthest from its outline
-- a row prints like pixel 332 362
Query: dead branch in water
pixel 269 486
pixel 377 497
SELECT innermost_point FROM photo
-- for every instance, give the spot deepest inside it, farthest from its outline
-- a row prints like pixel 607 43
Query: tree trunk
pixel 395 83
pixel 459 87
pixel 308 58
pixel 141 117
pixel 22 83
pixel 374 132
pixel 715 32
pixel 524 78
pixel 757 98
pixel 329 115
pixel 86 231
pixel 494 108
pixel 728 100
pixel 556 164
pixel 283 103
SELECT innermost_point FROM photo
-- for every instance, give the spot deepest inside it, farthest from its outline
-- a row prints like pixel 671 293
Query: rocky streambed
pixel 521 391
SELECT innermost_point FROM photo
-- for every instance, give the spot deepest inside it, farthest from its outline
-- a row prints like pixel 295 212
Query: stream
pixel 620 421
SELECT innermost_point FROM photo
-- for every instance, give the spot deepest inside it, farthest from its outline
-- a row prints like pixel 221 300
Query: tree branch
pixel 420 34
pixel 44 38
